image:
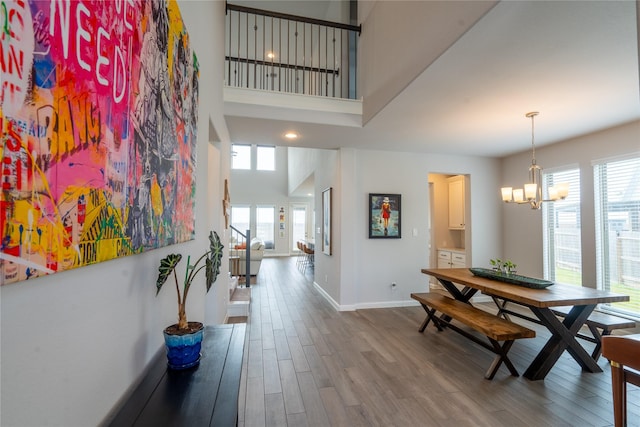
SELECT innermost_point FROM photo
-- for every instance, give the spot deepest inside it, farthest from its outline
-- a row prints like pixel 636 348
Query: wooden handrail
pixel 279 15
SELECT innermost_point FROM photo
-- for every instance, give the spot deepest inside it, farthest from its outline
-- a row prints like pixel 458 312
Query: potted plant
pixel 504 267
pixel 183 340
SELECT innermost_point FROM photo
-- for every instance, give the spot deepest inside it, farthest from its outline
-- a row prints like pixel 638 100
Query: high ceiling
pixel 576 62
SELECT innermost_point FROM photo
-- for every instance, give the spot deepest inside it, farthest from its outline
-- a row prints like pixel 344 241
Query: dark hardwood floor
pixel 306 364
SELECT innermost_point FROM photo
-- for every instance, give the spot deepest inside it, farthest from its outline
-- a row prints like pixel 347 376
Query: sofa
pixel 238 257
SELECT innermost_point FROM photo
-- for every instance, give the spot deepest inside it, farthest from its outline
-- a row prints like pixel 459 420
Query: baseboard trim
pixel 388 304
pixel 329 299
pixel 364 305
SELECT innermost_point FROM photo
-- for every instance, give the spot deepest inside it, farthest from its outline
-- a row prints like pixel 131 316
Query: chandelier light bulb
pixel 506 193
pixel 563 190
pixel 530 191
pixel 518 195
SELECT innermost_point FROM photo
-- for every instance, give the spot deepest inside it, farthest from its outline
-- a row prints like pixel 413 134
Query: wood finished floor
pixel 306 364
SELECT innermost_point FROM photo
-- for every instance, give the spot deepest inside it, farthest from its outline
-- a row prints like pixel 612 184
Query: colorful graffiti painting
pixel 98 116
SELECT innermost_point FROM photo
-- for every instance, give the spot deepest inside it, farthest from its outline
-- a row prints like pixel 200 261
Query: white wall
pixel 73 343
pixel 522 229
pixel 300 167
pixel 361 270
pixel 385 70
pixel 327 267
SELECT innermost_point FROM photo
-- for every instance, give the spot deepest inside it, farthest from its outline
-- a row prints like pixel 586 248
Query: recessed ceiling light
pixel 271 55
pixel 291 135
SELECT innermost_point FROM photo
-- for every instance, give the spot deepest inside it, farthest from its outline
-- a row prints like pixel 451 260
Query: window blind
pixel 617 205
pixel 562 250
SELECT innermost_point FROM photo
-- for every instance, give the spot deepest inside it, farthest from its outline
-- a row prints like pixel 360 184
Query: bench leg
pixel 501 356
pixel 597 351
pixel 430 315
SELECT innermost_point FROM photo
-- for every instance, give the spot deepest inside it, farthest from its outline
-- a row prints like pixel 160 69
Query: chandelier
pixel 532 193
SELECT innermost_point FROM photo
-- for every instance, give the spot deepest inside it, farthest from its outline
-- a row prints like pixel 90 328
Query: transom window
pixel 266 158
pixel 240 156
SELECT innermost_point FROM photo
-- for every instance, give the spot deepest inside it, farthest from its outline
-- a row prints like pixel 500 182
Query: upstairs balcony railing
pixel 286 53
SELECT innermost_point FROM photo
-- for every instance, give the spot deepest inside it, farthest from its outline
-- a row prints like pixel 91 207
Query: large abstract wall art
pixel 98 115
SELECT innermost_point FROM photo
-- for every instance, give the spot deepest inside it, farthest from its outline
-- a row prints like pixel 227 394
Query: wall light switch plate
pixel 415 232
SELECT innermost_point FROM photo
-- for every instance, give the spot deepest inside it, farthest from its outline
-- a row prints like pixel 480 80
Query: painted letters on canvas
pixel 98 114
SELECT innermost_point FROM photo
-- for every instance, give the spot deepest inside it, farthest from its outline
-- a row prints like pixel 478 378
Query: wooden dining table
pixel 540 302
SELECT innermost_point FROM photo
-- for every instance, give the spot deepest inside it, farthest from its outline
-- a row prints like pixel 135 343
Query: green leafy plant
pixel 212 260
pixel 509 267
pixel 505 266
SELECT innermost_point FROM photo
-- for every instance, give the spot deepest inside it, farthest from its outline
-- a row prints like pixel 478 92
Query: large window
pixel 561 224
pixel 617 200
pixel 240 218
pixel 266 158
pixel 240 156
pixel 265 225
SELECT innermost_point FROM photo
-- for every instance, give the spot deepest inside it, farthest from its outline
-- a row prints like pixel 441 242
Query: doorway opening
pixel 449 220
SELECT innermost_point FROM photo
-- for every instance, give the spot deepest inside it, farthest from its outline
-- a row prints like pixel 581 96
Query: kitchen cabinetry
pixel 448 258
pixel 456 202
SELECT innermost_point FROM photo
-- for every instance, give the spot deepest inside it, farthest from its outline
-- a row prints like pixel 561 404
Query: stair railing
pixel 238 239
pixel 286 53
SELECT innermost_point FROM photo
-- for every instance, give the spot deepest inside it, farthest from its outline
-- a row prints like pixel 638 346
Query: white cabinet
pixel 444 259
pixel 456 202
pixel 451 259
pixel 458 260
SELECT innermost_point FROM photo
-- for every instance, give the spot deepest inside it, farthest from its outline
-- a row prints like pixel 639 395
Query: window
pixel 298 225
pixel 241 156
pixel 561 225
pixel 617 205
pixel 240 218
pixel 265 225
pixel 266 157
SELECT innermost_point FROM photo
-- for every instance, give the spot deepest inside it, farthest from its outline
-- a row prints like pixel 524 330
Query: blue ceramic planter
pixel 183 351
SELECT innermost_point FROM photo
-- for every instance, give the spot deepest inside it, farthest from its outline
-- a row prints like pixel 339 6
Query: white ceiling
pixel 576 62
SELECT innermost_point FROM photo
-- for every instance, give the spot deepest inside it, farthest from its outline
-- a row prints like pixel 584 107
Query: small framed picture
pixel 384 216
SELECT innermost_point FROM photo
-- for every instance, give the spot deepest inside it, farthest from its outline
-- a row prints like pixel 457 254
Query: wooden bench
pixel 600 324
pixel 206 395
pixel 494 328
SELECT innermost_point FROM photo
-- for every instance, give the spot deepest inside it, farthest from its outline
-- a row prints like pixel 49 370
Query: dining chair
pixel 623 353
pixel 309 255
pixel 300 253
